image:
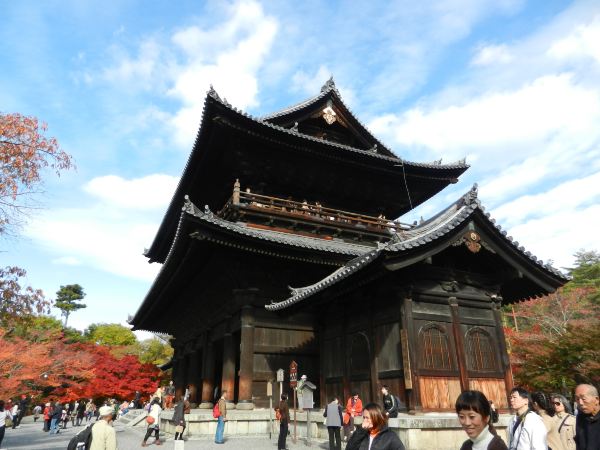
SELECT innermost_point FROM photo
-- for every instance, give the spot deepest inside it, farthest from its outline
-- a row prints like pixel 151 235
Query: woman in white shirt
pixel 4 414
pixel 474 414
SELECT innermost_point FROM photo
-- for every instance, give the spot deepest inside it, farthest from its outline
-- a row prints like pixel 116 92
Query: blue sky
pixel 512 85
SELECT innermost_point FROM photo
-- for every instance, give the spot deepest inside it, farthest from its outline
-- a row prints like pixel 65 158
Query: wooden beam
pixel 459 344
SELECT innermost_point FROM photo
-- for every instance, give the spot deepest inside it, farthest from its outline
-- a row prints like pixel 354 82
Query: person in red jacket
pixel 47 414
pixel 354 407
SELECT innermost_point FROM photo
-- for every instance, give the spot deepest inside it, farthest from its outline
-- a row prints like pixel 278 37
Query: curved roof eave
pixel 439 226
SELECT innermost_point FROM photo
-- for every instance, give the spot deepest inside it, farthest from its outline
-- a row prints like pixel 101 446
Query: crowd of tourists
pixel 540 421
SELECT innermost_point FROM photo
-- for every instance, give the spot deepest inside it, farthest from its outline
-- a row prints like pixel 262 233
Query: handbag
pixel 8 422
pixel 179 429
pixel 149 420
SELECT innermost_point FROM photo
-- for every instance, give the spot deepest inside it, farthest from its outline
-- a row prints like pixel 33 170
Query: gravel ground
pixel 30 436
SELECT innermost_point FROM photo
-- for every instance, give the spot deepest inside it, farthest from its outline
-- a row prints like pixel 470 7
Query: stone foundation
pixel 428 431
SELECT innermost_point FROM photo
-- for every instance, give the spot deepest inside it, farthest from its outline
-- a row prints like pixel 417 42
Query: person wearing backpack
pixel 221 411
pixel 103 433
pixel 153 421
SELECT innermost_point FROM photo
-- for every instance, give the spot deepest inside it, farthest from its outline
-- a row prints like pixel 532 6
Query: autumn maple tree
pixel 24 152
pixel 17 301
pixel 49 367
pixel 553 340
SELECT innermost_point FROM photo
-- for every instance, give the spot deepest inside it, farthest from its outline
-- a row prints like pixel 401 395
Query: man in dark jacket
pixel 333 413
pixel 389 403
pixel 55 418
pixel 23 405
pixel 588 420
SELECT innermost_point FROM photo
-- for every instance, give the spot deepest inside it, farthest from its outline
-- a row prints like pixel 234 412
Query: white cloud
pixel 559 235
pixel 67 261
pixel 228 56
pixel 568 196
pixel 109 240
pixel 111 233
pixel 310 84
pixel 498 120
pixel 531 128
pixel 583 42
pixel 146 193
pixel 492 54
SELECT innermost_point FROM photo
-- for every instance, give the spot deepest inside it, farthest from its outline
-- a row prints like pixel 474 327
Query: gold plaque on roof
pixel 329 115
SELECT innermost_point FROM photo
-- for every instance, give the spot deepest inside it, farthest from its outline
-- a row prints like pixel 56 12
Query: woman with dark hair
pixel 474 413
pixel 284 419
pixel 154 423
pixel 566 427
pixel 545 409
pixel 4 414
pixel 374 433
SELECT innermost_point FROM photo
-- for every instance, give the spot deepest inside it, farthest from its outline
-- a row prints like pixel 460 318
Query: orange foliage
pixel 24 152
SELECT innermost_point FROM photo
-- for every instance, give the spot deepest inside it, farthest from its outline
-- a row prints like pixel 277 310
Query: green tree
pixel 110 334
pixel 155 351
pixel 586 273
pixel 37 329
pixel 67 298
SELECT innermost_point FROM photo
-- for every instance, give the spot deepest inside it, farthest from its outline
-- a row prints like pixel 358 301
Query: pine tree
pixel 66 299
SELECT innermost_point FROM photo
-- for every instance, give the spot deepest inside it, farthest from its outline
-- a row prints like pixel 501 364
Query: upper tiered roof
pixel 299 161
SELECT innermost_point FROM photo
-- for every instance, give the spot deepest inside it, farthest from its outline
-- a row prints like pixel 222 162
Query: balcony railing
pixel 311 215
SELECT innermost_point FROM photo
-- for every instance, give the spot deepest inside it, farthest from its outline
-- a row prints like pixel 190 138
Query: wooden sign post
pixel 293 384
pixel 280 376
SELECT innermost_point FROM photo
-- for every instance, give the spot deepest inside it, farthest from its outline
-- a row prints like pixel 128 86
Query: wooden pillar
pixel 374 349
pixel 228 377
pixel 459 344
pixel 347 355
pixel 323 394
pixel 504 358
pixel 193 375
pixel 180 380
pixel 409 335
pixel 208 373
pixel 246 358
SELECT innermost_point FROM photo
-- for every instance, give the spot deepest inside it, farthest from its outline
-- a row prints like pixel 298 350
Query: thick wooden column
pixel 228 377
pixel 180 380
pixel 508 378
pixel 323 395
pixel 408 335
pixel 246 358
pixel 208 373
pixel 459 344
pixel 374 346
pixel 193 375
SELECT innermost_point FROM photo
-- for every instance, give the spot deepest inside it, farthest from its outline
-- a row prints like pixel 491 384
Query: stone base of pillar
pixel 230 405
pixel 206 405
pixel 246 406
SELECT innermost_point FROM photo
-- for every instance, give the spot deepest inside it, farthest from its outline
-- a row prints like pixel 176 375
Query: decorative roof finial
pixel 329 85
pixel 213 93
pixel 471 196
pixel 295 127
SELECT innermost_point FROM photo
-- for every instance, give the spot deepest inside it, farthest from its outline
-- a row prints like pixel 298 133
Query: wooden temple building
pixel 278 246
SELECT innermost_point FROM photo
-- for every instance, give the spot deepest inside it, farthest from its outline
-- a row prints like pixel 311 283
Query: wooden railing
pixel 313 212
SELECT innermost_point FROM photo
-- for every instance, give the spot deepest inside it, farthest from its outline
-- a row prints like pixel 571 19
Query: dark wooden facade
pixel 301 198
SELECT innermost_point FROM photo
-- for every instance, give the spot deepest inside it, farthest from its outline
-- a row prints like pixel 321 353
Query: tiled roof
pixel 310 243
pixel 461 164
pixel 435 228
